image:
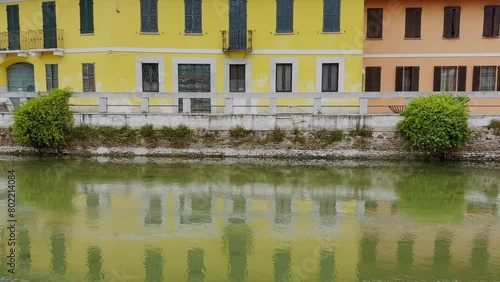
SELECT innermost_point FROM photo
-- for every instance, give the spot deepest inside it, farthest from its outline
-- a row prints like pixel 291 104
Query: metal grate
pixel 150 78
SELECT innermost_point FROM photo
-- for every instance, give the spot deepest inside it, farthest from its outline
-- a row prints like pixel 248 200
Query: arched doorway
pixel 20 77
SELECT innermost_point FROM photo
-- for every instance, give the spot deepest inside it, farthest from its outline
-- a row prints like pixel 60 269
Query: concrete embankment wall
pixel 251 122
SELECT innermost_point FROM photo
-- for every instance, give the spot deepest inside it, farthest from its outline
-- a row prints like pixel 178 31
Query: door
pixel 237 25
pixel 49 25
pixel 20 78
pixel 13 27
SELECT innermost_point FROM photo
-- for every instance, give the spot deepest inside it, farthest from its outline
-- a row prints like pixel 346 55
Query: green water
pixel 221 221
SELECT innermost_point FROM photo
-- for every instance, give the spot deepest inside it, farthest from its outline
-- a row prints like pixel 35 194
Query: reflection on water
pixel 85 221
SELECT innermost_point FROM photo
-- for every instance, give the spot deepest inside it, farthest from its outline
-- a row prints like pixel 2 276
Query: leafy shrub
pixel 147 131
pixel 298 136
pixel 239 132
pixel 277 135
pixel 495 125
pixel 84 132
pixel 364 132
pixel 178 135
pixel 329 136
pixel 45 121
pixel 436 124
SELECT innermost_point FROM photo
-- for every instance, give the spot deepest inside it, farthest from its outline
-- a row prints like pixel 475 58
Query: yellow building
pixel 256 46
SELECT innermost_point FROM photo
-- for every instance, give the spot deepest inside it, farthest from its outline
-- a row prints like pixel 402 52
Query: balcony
pixel 32 42
pixel 14 42
pixel 238 40
pixel 46 40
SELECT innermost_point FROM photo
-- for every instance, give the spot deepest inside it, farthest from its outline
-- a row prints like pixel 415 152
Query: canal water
pixel 163 220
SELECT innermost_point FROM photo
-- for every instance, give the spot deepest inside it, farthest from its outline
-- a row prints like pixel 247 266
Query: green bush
pixel 147 131
pixel 329 136
pixel 277 135
pixel 45 121
pixel 495 125
pixel 239 132
pixel 178 135
pixel 84 132
pixel 364 132
pixel 436 124
pixel 298 136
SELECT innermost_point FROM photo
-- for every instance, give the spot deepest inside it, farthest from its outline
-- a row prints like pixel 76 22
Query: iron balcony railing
pixel 238 40
pixel 13 40
pixel 46 39
pixel 32 39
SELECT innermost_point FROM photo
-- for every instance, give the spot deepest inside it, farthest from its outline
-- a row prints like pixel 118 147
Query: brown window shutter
pixel 476 73
pixel 399 79
pixel 448 22
pixel 377 78
pixel 415 78
pixel 496 21
pixel 418 22
pixel 488 21
pixel 372 79
pixel 498 78
pixel 374 23
pixel 410 21
pixel 462 78
pixel 437 79
pixel 456 22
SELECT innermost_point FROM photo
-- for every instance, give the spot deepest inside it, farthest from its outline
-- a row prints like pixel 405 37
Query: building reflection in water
pixel 230 234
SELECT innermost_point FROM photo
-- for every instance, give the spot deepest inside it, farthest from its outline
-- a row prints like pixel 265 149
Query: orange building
pixel 432 46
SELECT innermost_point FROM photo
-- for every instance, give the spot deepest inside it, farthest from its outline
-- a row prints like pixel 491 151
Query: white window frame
pixel 248 85
pixel 341 72
pixel 295 73
pixel 195 61
pixel 149 60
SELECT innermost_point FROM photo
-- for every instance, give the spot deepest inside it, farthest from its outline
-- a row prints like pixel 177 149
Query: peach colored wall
pixel 431 42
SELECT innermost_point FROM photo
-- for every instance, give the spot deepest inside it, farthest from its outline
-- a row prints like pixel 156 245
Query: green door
pixel 13 27
pixel 20 77
pixel 49 25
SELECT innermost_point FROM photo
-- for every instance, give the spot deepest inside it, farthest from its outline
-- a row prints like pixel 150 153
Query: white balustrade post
pixel 229 106
pixel 186 105
pixel 145 104
pixel 272 106
pixel 363 106
pixel 103 104
pixel 317 106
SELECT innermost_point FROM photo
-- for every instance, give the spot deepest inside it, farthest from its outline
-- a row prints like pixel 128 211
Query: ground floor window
pixel 88 77
pixel 407 78
pixel 449 78
pixel 51 74
pixel 485 78
pixel 150 77
pixel 237 78
pixel 330 78
pixel 372 79
pixel 195 78
pixel 283 77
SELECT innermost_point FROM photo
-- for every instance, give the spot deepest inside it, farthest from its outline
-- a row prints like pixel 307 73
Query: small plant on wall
pixel 436 124
pixel 44 122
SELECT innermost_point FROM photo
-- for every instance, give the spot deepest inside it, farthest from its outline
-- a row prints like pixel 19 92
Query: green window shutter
pixel 327 16
pixel 197 16
pixel 188 15
pixel 86 16
pixel 153 16
pixel 145 16
pixel 289 16
pixel 51 73
pixel 280 19
pixel 336 15
pixel 13 18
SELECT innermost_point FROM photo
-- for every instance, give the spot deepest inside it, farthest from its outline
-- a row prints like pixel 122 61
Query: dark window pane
pixel 283 77
pixel 330 78
pixel 150 78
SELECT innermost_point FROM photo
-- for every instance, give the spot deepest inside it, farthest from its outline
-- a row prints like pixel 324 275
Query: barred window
pixel 150 78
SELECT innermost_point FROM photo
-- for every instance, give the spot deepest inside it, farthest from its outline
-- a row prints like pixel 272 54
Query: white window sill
pixel 331 32
pixel 193 34
pixel 284 33
pixel 149 33
pixel 87 34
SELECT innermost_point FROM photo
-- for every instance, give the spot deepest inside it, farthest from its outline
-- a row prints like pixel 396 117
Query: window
pixel 237 78
pixel 375 18
pixel 413 22
pixel 330 78
pixel 86 16
pixel 451 27
pixel 407 78
pixel 491 26
pixel 372 79
pixel 195 78
pixel 484 78
pixel 13 27
pixel 284 16
pixel 88 77
pixel 448 79
pixel 149 15
pixel 331 15
pixel 192 16
pixel 51 74
pixel 283 77
pixel 150 78
pixel 154 214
